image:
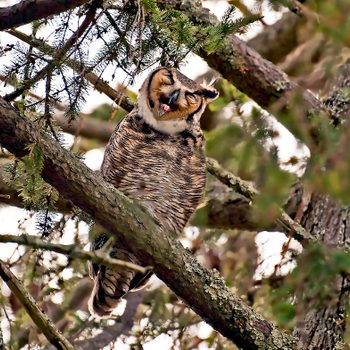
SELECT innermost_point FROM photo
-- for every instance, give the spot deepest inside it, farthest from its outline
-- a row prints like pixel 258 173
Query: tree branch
pixel 87 127
pixel 84 126
pixel 204 291
pixel 278 39
pixel 28 11
pixel 54 336
pixel 71 250
pixel 236 61
pixel 321 325
pixel 248 190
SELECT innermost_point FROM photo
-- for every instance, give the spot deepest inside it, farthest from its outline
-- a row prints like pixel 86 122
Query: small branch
pixel 248 190
pixel 87 127
pixel 58 56
pixel 54 336
pixel 237 184
pixel 29 11
pixel 98 83
pixel 70 250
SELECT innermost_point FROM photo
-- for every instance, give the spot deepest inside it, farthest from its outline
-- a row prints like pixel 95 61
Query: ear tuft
pixel 210 94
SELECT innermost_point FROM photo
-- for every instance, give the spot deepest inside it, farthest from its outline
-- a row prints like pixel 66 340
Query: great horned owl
pixel 155 156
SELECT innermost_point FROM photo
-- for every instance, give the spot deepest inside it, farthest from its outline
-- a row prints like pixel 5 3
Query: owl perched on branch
pixel 155 156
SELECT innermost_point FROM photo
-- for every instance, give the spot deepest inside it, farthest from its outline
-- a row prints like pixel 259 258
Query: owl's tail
pixel 112 283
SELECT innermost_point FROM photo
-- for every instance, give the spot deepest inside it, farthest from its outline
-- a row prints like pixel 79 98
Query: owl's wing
pixel 114 148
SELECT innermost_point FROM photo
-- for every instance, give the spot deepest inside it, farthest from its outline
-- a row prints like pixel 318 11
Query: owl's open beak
pixel 167 104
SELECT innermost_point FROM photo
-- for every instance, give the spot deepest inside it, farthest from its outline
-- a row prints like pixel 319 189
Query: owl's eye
pixel 191 98
pixel 167 78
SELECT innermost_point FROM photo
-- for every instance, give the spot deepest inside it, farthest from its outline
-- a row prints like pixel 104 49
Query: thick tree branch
pixel 205 292
pixel 71 250
pixel 323 327
pixel 28 11
pixel 39 318
pixel 278 39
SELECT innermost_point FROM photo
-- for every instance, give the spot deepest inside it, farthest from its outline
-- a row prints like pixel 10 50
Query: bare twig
pixel 70 250
pixel 53 335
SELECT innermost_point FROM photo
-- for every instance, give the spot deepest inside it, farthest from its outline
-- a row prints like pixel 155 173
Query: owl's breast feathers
pixel 165 173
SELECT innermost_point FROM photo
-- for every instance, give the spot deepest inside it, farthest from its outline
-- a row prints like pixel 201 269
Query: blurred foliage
pixel 310 285
pixel 335 21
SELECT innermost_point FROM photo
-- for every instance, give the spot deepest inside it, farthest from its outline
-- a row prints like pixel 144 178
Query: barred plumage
pixel 155 156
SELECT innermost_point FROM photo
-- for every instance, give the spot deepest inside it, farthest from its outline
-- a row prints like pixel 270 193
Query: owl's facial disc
pixel 171 102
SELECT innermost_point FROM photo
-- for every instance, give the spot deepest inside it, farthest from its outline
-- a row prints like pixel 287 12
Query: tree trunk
pixel 324 329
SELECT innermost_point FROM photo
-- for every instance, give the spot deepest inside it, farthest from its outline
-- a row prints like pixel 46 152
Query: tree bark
pixel 324 328
pixel 329 222
pixel 204 291
pixel 87 127
pixel 28 11
pixel 278 39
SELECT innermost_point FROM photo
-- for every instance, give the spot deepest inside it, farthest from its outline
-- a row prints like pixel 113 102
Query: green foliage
pixel 26 177
pixel 175 25
pixel 160 313
pixel 335 21
pixel 221 142
pixel 274 185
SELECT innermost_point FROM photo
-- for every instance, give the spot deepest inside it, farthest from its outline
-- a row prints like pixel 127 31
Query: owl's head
pixel 170 102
